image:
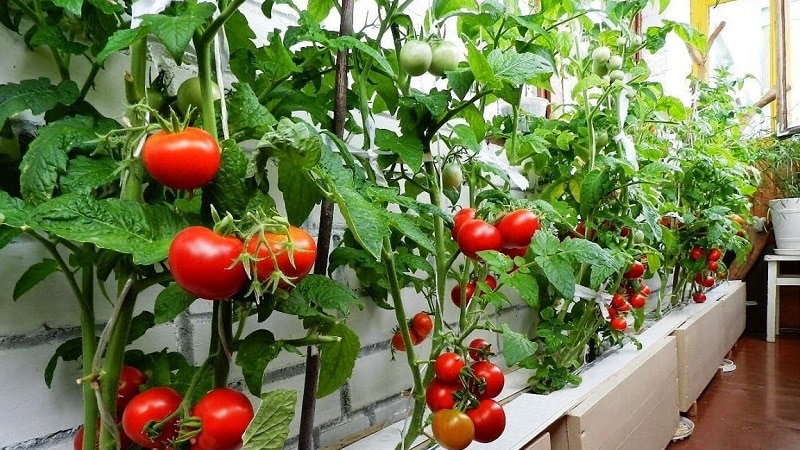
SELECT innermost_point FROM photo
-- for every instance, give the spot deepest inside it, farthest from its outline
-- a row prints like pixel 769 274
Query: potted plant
pixel 782 161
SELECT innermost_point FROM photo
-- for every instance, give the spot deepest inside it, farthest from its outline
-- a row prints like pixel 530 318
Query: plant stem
pixel 88 348
pixel 87 84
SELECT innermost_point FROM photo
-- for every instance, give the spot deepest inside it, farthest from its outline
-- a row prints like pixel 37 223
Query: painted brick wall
pixel 31 328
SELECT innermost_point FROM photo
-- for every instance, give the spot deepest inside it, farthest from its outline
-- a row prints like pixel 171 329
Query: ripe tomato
pixel 130 378
pixel 696 253
pixel 489 420
pixel 518 228
pixel 189 94
pixel 188 159
pixel 624 308
pixel 452 429
pixel 471 287
pixel 415 57
pixel 206 264
pixel 445 58
pixel 612 312
pixel 645 290
pixel 440 395
pixel 699 297
pixel 637 301
pixel 704 280
pixel 224 414
pixel 619 323
pixel 617 300
pixel 489 380
pixel 476 235
pixel 714 254
pixel 636 270
pixel 452 176
pixel 479 349
pixel 514 252
pixel 448 366
pixel 422 325
pixel 713 265
pixel 294 254
pixel 460 218
pixel 154 404
pixel 398 343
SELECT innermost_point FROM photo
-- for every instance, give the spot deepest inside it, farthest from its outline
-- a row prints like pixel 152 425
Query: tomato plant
pixel 224 414
pixel 452 429
pixel 207 264
pixel 150 407
pixel 186 159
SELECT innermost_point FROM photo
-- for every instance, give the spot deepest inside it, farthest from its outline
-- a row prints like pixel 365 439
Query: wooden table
pixel 774 281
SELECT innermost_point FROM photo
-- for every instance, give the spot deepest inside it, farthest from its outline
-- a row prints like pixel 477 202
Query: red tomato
pixel 645 290
pixel 188 159
pixel 452 429
pixel 422 325
pixel 461 217
pixel 624 308
pixel 489 420
pixel 154 404
pixel 448 366
pixel 130 378
pixel 398 343
pixel 489 380
pixel 637 301
pixel 206 264
pixel 713 265
pixel 636 270
pixel 696 253
pixel 619 323
pixel 714 254
pixel 476 235
pixel 440 395
pixel 707 281
pixel 294 254
pixel 224 414
pixel 455 293
pixel 617 300
pixel 612 312
pixel 699 297
pixel 518 227
pixel 514 252
pixel 479 349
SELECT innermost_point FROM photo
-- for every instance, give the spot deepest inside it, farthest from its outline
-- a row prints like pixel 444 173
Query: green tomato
pixel 189 94
pixel 638 236
pixel 636 41
pixel 415 57
pixel 601 55
pixel 616 75
pixel 599 68
pixel 445 58
pixel 601 140
pixel 452 176
pixel 614 63
pixel 622 42
pixel 155 98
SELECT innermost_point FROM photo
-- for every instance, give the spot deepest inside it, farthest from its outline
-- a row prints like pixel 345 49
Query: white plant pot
pixel 785 216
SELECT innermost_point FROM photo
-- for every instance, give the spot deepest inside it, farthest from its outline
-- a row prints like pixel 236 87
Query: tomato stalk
pixel 88 348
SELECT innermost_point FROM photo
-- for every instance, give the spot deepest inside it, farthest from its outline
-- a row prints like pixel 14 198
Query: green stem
pixel 204 74
pixel 221 337
pixel 225 14
pixel 65 269
pixel 88 347
pixel 87 84
pixel 37 17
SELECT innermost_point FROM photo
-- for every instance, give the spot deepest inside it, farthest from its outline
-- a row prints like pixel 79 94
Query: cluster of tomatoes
pixel 461 398
pixel 510 235
pixel 419 327
pixel 704 279
pixel 418 57
pixel 632 294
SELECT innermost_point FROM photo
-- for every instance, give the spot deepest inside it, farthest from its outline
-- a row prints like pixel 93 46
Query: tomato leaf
pixel 239 33
pixel 559 273
pixel 326 293
pixel 544 244
pixel 72 6
pixel 140 324
pixel 583 251
pixel 13 211
pixel 84 174
pixel 300 192
pixel 69 350
pixel 7 234
pixel 170 302
pixel 408 147
pixel 228 191
pixel 480 66
pixel 54 37
pixel 270 426
pixel 441 8
pixel 121 40
pixel 517 68
pixel 319 9
pixel 336 360
pixel 360 216
pixel 255 351
pixel 297 142
pixel 526 286
pixel 37 95
pixel 592 191
pixel 248 118
pixel 33 275
pixel 175 32
pixel 516 346
pixel 351 43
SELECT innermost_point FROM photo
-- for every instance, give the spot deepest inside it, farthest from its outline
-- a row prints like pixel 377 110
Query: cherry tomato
pixel 154 404
pixel 415 57
pixel 514 252
pixel 452 429
pixel 624 308
pixel 636 270
pixel 294 254
pixel 440 395
pixel 187 159
pixel 489 380
pixel 699 297
pixel 476 235
pixel 489 420
pixel 645 290
pixel 398 343
pixel 130 378
pixel 518 228
pixel 479 349
pixel 616 75
pixel 614 62
pixel 637 301
pixel 714 254
pixel 452 176
pixel 638 236
pixel 696 253
pixel 224 414
pixel 619 323
pixel 422 325
pixel 445 58
pixel 601 55
pixel 471 287
pixel 712 265
pixel 708 281
pixel 460 218
pixel 189 94
pixel 612 312
pixel 206 264
pixel 617 300
pixel 448 366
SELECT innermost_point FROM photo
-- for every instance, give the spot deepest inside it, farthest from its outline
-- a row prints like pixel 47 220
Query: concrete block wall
pixel 35 417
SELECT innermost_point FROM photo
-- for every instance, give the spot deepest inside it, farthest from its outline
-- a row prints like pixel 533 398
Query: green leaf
pixel 434 101
pixel 319 9
pixel 480 66
pixel 70 350
pixel 516 346
pixel 13 211
pixel 140 324
pixel 296 142
pixel 37 95
pixel 53 37
pixel 351 43
pixel 240 35
pixel 275 61
pixel 360 216
pixel 175 32
pixel 544 244
pixel 337 360
pixel 326 293
pixel 461 81
pixel 592 191
pixel 270 427
pixel 583 251
pixel 170 302
pixel 7 234
pixel 526 286
pixel 33 275
pixel 121 40
pixel 300 192
pixel 441 8
pixel 407 227
pixel 408 147
pixel 71 6
pixel 466 137
pixel 255 352
pixel 559 273
pixel 228 191
pixel 517 68
pixel 248 118
pixel 84 174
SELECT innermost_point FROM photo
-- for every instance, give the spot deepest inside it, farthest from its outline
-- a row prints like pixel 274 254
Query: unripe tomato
pixel 189 94
pixel 445 58
pixel 616 75
pixel 614 63
pixel 415 57
pixel 452 429
pixel 187 159
pixel 636 41
pixel 452 176
pixel 601 55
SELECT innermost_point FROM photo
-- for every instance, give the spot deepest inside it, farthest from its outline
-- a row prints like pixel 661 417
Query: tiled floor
pixel 757 406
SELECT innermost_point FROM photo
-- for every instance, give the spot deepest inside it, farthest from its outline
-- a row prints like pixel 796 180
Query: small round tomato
pixel 708 281
pixel 452 176
pixel 616 75
pixel 488 380
pixel 617 300
pixel 189 94
pixel 460 218
pixel 445 58
pixel 612 312
pixel 398 343
pixel 441 395
pixel 635 271
pixel 448 366
pixel 480 349
pixel 714 254
pixel 645 290
pixel 489 420
pixel 514 252
pixel 293 254
pixel 152 405
pixel 518 228
pixel 637 301
pixel 713 265
pixel 696 253
pixel 452 429
pixel 130 378
pixel 476 235
pixel 187 159
pixel 422 325
pixel 224 414
pixel 601 55
pixel 638 236
pixel 469 291
pixel 415 57
pixel 614 62
pixel 699 297
pixel 206 264
pixel 619 323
